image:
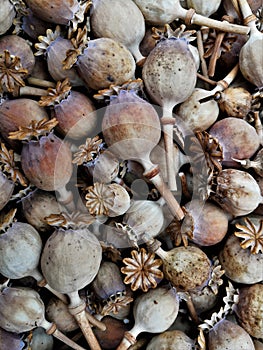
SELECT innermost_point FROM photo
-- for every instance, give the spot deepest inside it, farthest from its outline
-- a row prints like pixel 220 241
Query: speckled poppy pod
pixel 46 160
pixel 109 19
pixel 100 62
pixel 19 301
pixel 54 47
pixel 59 12
pixel 7 15
pixel 73 110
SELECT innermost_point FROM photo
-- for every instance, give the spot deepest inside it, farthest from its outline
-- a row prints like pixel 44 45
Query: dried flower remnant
pixel 210 150
pixel 11 73
pixel 76 220
pixel 216 274
pixel 96 201
pixel 45 41
pixel 116 303
pixel 79 44
pixel 252 235
pixel 57 94
pixel 142 270
pixel 34 130
pixel 134 85
pixel 181 231
pixel 8 165
pixel 89 151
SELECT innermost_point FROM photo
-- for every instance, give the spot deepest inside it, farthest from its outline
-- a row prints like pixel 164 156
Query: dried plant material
pixel 201 342
pixel 79 43
pixel 34 130
pixel 168 32
pixel 96 201
pixel 75 220
pixel 259 20
pixel 181 231
pixel 79 16
pixel 256 163
pixel 134 85
pixel 210 44
pixel 7 219
pixel 110 252
pixel 142 270
pixel 11 73
pixel 130 232
pixel 8 165
pixel 57 94
pixel 229 301
pixel 45 41
pixel 216 274
pixel 211 150
pixel 89 151
pixel 231 298
pixel 252 235
pixel 22 193
pixel 116 303
pixel 203 180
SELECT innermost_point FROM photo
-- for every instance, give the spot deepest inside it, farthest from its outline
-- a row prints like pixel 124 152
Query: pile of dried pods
pixel 131 174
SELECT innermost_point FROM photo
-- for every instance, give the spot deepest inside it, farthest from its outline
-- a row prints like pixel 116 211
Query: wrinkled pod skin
pixel 63 254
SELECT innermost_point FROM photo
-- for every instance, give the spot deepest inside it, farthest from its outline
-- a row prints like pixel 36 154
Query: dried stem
pixel 207 80
pixel 66 198
pixel 200 46
pixel 127 341
pixel 30 91
pixel 153 175
pixel 247 12
pixel 51 329
pixel 41 82
pixel 168 143
pixel 194 18
pixel 77 309
pixel 216 53
pixel 191 308
pixel 236 7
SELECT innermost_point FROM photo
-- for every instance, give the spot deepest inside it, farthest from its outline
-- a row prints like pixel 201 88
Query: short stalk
pixel 77 309
pixel 190 17
pixel 51 329
pixel 41 82
pixel 200 46
pixel 31 91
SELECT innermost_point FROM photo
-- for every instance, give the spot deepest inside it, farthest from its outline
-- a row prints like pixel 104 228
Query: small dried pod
pixel 100 62
pixel 187 268
pixel 73 110
pixel 249 309
pixel 237 192
pixel 106 167
pixel 235 101
pixel 57 312
pixel 109 19
pixel 239 264
pixel 233 133
pixel 204 8
pixel 197 116
pixel 7 16
pixel 108 281
pixel 172 340
pixel 229 335
pixel 154 312
pixel 107 199
pixel 18 112
pixel 10 340
pixel 55 48
pixel 210 222
pixel 18 47
pixel 41 340
pixel 20 247
pixel 250 55
pixel 145 218
pixel 38 205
